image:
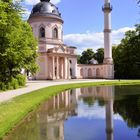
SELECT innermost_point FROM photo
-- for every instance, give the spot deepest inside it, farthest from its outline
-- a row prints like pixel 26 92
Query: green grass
pixel 13 111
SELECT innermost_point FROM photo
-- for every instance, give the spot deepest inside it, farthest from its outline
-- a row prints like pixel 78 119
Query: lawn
pixel 12 112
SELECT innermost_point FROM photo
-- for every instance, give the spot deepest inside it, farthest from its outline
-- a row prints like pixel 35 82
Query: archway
pixel 89 72
pixel 98 73
pixel 81 73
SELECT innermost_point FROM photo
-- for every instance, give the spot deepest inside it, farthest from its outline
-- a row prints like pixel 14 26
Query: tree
pixel 17 42
pixel 78 59
pixel 127 55
pixel 99 55
pixel 86 56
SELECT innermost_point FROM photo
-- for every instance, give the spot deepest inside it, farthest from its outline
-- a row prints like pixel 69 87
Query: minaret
pixel 107 33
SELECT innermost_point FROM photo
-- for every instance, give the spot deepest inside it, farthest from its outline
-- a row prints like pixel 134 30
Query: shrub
pixel 2 86
pixel 13 83
pixel 21 79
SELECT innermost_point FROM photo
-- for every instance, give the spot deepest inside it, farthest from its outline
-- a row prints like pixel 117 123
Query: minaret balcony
pixel 107 7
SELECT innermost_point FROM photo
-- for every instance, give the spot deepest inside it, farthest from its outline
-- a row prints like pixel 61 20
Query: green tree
pixel 127 55
pixel 99 55
pixel 86 56
pixel 78 59
pixel 17 42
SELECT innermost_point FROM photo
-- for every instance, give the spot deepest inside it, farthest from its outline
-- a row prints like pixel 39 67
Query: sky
pixel 84 20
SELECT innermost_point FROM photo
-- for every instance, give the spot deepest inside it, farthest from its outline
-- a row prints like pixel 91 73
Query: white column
pixel 107 33
pixel 57 63
pixel 74 68
pixel 63 68
pixel 53 67
pixel 66 67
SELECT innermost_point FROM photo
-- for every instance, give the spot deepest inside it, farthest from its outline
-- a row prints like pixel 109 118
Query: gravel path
pixel 34 85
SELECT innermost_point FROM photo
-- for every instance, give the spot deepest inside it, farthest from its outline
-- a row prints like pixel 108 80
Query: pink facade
pixel 57 60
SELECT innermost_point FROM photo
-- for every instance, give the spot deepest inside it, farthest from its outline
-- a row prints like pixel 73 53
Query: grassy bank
pixel 13 111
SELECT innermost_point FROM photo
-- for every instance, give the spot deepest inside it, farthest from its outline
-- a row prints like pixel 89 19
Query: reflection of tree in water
pixel 129 109
pixel 127 105
pixel 89 101
pixel 101 102
pixel 138 132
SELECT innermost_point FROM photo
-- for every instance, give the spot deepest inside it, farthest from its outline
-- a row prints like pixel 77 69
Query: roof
pixel 45 8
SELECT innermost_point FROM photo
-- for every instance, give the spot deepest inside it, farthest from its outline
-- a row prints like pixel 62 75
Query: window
pixel 42 32
pixel 55 33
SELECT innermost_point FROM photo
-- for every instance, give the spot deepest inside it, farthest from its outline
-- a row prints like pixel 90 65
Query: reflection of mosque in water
pixel 48 121
pixel 62 106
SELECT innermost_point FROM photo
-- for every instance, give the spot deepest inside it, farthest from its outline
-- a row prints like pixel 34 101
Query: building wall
pixel 73 66
pixel 73 70
pixel 95 71
pixel 49 25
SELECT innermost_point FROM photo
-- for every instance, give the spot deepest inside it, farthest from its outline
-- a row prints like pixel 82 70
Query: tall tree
pixel 127 55
pixel 86 56
pixel 99 55
pixel 78 59
pixel 17 42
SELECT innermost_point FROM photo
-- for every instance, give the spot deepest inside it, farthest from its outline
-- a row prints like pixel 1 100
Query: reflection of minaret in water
pixel 109 119
pixel 109 114
pixel 107 94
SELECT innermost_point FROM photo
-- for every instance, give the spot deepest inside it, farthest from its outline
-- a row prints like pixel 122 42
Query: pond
pixel 93 113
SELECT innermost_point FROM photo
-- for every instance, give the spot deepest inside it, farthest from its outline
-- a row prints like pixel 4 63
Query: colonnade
pixel 59 67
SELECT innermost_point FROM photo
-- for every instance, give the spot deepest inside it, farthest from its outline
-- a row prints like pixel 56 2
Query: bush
pixel 21 79
pixel 13 83
pixel 2 86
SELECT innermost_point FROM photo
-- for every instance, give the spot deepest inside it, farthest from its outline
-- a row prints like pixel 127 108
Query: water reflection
pixel 49 122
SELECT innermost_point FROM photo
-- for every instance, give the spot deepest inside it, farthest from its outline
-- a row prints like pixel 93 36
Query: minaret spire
pixel 107 8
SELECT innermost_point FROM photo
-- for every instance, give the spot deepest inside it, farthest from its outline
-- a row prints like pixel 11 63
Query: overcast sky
pixel 83 20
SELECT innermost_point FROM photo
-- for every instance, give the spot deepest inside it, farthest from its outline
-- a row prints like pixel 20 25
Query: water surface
pixel 94 113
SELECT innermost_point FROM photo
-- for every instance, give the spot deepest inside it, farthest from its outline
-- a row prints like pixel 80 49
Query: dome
pixel 45 7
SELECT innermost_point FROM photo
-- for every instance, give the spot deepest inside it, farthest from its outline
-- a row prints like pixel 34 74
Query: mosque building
pixel 57 60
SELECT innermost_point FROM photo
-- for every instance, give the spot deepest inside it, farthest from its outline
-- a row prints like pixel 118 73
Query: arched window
pixel 42 32
pixel 55 33
pixel 98 73
pixel 81 72
pixel 89 72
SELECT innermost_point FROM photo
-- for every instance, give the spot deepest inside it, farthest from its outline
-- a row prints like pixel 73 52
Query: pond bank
pixel 35 85
pixel 15 110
